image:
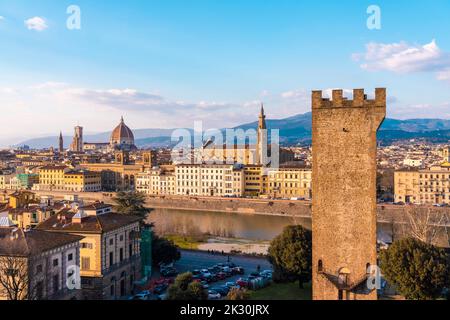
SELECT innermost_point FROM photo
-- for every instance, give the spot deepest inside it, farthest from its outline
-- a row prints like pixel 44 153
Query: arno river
pixel 230 225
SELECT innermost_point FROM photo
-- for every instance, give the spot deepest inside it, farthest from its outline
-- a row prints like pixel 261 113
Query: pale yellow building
pixel 51 178
pixel 289 183
pixel 157 181
pixel 82 181
pixel 253 181
pixel 429 186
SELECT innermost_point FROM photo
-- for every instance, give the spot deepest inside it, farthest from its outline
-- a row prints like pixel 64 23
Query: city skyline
pixel 213 62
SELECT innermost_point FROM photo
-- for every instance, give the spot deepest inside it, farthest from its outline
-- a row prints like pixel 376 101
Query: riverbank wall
pixel 387 213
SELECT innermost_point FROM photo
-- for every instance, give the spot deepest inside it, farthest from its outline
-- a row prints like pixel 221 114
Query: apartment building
pixel 429 186
pixel 110 257
pixel 214 180
pixel 39 263
pixel 289 183
pixel 82 181
pixel 156 181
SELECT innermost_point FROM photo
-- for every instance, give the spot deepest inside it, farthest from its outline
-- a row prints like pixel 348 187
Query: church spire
pixel 61 142
pixel 262 118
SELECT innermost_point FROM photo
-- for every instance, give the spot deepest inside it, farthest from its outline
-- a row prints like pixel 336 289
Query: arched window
pixel 320 266
pixel 368 268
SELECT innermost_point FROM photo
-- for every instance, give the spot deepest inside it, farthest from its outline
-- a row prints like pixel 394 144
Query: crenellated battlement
pixel 339 101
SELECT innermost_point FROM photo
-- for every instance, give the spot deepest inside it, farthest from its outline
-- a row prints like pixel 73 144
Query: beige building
pixel 430 186
pixel 253 181
pixel 157 181
pixel 40 263
pixel 289 183
pixel 217 180
pixel 110 250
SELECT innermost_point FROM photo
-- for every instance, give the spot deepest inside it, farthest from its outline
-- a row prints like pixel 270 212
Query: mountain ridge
pixel 294 129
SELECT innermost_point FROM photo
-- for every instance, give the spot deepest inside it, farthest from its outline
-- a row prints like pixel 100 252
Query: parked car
pixel 230 284
pixel 266 274
pixel 242 282
pixel 206 273
pixel 160 289
pixel 223 290
pixel 221 276
pixel 196 272
pixel 238 270
pixel 213 295
pixel 205 285
pixel 144 295
pixel 169 272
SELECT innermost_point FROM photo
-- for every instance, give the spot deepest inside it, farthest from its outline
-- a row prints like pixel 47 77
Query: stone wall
pixel 344 216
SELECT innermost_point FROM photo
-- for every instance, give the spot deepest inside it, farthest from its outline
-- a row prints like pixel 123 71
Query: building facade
pixel 51 178
pixel 210 180
pixel 427 186
pixel 82 181
pixel 109 252
pixel 40 263
pixel 289 183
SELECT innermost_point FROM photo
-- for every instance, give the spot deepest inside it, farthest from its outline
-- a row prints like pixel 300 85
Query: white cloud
pixel 405 58
pixel 2 18
pixel 36 23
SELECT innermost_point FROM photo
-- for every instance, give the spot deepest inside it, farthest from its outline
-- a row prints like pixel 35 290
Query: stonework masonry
pixel 344 211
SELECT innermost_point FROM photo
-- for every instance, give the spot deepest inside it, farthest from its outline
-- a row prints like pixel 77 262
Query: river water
pixel 231 225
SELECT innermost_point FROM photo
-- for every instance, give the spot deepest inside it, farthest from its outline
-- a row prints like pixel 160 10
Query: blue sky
pixel 167 63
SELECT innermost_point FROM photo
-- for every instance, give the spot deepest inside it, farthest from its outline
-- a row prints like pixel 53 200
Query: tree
pixel 291 255
pixel 185 289
pixel 418 270
pixel 16 280
pixel 164 251
pixel 238 294
pixel 425 224
pixel 131 203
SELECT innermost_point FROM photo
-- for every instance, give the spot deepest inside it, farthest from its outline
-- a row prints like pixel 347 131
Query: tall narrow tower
pixel 262 137
pixel 61 143
pixel 344 193
pixel 77 142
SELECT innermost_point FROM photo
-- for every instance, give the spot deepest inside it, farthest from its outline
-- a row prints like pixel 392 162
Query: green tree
pixel 164 251
pixel 418 270
pixel 131 203
pixel 185 289
pixel 238 294
pixel 291 255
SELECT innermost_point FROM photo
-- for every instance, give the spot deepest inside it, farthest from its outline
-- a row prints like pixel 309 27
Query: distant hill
pixel 293 130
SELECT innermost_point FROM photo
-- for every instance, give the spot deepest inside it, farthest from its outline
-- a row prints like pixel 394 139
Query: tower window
pixel 320 266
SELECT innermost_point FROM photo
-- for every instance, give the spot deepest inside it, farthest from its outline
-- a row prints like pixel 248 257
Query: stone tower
pixel 344 193
pixel 61 143
pixel 77 142
pixel 261 144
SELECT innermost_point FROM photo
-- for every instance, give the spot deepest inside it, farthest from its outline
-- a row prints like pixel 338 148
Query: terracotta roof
pixel 96 206
pixel 54 167
pixel 62 222
pixel 17 242
pixel 122 133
